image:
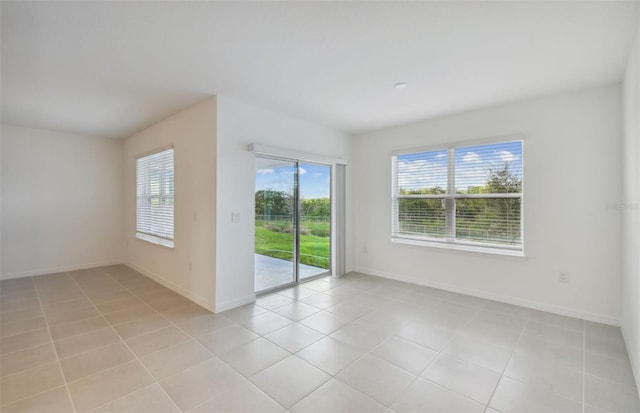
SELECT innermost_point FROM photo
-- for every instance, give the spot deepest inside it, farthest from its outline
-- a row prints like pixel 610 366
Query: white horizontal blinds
pixel 155 190
pixel 463 195
pixel 420 187
pixel 488 194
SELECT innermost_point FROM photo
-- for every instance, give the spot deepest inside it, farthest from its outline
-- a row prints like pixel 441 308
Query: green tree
pixel 270 202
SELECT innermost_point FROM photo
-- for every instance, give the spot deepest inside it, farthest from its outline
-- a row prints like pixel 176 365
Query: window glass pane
pixel 489 220
pixel 489 169
pixel 422 217
pixel 422 173
pixel 155 197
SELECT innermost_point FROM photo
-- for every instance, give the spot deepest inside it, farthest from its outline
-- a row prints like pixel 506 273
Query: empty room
pixel 391 207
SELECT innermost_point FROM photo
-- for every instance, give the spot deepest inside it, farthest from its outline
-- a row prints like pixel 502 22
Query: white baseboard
pixel 535 305
pixel 53 270
pixel 187 294
pixel 228 305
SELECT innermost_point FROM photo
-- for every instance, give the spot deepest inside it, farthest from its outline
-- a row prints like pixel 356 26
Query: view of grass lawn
pixel 275 239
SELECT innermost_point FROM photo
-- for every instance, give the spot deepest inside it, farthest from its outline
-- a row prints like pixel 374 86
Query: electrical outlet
pixel 564 277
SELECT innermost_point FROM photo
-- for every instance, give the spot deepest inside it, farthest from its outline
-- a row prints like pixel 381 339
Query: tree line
pixel 270 203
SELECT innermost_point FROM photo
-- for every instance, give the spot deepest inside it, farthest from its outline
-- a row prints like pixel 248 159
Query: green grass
pixel 275 239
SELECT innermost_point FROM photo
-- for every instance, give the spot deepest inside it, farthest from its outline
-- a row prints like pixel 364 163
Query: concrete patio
pixel 273 272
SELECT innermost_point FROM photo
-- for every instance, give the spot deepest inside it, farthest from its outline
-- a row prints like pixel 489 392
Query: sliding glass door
pixel 292 222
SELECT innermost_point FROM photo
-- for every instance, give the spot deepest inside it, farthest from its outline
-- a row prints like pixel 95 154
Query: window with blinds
pixel 465 196
pixel 154 197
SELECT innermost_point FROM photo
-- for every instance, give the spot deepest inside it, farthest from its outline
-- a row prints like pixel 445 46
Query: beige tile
pixel 434 338
pixel 254 356
pixel 122 304
pixel 322 301
pixel 546 375
pixel 294 337
pixel 610 368
pixel 244 312
pixel 142 326
pixel 266 323
pixel 477 352
pixel 244 397
pixel 349 309
pixel 24 341
pixel 157 340
pixel 199 383
pixel 556 320
pixel 75 328
pixel 185 313
pixel 19 302
pixel 405 354
pixel 273 301
pixel 227 338
pixel 106 296
pixel 610 396
pixel 65 306
pixel 149 399
pixel 21 327
pixel 81 343
pixel 167 303
pixel 203 324
pixel 26 359
pixel 103 387
pixel 296 311
pixel 376 378
pixel 330 355
pixel 570 357
pixel 335 396
pixel 171 360
pixel 129 315
pixel 51 401
pixel 325 322
pixel 290 380
pixel 70 316
pixel 513 396
pixel 463 377
pixel 14 316
pixel 423 396
pixel 554 334
pixel 360 336
pixel 29 382
pixel 94 361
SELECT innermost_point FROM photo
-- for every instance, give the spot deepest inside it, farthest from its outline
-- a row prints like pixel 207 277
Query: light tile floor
pixel 111 340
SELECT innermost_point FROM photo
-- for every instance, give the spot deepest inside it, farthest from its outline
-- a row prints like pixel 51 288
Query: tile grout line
pixel 493 393
pixel 55 351
pixel 126 345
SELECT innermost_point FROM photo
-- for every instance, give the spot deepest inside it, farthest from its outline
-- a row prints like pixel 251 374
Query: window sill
pixel 167 243
pixel 460 247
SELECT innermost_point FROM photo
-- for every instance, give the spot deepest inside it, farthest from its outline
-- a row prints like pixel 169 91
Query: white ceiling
pixel 113 68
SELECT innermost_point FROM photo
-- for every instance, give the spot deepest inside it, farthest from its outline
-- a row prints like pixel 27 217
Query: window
pixel 154 194
pixel 466 197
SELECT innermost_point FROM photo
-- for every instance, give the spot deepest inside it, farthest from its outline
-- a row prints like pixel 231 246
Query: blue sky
pixel 314 180
pixel 472 163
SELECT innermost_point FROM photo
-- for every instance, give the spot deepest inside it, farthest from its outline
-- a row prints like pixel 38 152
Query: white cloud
pixel 265 171
pixel 420 173
pixel 441 155
pixel 302 171
pixel 471 157
pixel 507 156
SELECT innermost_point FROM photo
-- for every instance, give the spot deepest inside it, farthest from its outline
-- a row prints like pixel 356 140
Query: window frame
pixel 450 241
pixel 146 236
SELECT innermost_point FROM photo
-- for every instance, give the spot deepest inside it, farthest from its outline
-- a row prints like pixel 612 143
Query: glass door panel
pixel 315 220
pixel 276 223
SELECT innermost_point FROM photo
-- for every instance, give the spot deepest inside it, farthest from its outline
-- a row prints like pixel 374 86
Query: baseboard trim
pixel 185 293
pixel 54 270
pixel 632 356
pixel 228 305
pixel 535 305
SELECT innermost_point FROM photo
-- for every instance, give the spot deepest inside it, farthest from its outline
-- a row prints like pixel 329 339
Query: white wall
pixel 189 268
pixel 62 201
pixel 572 161
pixel 631 209
pixel 239 125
